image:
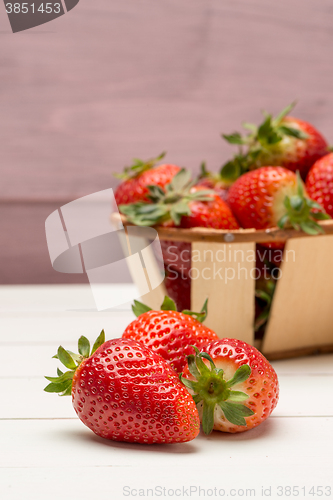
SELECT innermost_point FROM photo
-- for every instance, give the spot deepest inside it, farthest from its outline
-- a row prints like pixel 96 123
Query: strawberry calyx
pixel 138 167
pixel 139 308
pixel 258 143
pixel 302 212
pixel 210 388
pixel 62 384
pixel 169 204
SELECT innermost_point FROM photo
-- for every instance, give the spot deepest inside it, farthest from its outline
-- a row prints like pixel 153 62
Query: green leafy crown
pixel 302 213
pixel 210 388
pixel 62 384
pixel 257 142
pixel 173 203
pixel 138 167
pixel 169 305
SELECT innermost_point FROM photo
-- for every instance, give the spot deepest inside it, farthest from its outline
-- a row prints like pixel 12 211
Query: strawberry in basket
pixel 282 141
pixel 213 180
pixel 181 204
pixel 274 196
pixel 141 174
pixel 178 287
pixel 319 183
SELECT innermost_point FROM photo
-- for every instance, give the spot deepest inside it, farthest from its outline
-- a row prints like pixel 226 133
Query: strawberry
pixel 139 176
pixel 282 141
pixel 177 256
pixel 274 196
pixel 125 392
pixel 319 183
pixel 212 180
pixel 169 333
pixel 233 385
pixel 178 288
pixel 181 204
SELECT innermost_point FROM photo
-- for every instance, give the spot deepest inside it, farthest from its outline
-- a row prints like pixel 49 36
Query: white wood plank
pixel 222 274
pixel 25 398
pixel 53 297
pixel 277 441
pixel 31 360
pixel 320 364
pixel 302 313
pixel 50 327
pixel 116 482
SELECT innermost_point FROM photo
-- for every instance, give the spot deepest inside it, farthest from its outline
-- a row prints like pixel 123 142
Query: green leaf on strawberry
pixel 139 308
pixel 201 316
pixel 138 167
pixel 62 384
pixel 173 203
pixel 168 304
pixel 300 212
pixel 275 142
pixel 210 388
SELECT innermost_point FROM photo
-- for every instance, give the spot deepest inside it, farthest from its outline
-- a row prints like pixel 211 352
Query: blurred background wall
pixel 112 80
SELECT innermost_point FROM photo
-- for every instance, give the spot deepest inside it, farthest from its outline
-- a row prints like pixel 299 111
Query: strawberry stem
pixel 62 384
pixel 257 143
pixel 210 388
pixel 302 212
pixel 138 167
pixel 173 203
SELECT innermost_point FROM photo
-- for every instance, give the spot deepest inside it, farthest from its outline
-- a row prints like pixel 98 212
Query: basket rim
pixel 270 235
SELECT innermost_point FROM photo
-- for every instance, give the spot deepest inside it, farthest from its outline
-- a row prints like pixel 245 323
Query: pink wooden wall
pixel 112 80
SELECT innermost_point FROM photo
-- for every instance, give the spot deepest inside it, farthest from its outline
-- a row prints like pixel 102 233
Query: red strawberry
pixel 125 392
pixel 212 180
pixel 273 196
pixel 177 255
pixel 178 288
pixel 233 385
pixel 169 333
pixel 214 213
pixel 319 183
pixel 272 257
pixel 282 141
pixel 182 204
pixel 139 176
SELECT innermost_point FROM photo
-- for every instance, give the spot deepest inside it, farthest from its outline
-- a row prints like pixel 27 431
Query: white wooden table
pixel 47 453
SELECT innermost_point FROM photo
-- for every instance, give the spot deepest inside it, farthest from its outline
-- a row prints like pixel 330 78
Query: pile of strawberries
pixel 165 375
pixel 281 176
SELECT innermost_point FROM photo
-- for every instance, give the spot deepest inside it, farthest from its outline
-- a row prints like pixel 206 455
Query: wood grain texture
pixel 23 249
pixel 109 81
pixel 221 274
pixel 302 313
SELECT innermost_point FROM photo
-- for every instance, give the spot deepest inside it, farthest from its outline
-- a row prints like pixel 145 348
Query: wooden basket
pixel 301 317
